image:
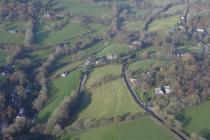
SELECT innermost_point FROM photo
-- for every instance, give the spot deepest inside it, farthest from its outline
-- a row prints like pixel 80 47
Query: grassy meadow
pixel 109 99
pixel 143 128
pixel 12 38
pixel 196 119
pixel 59 88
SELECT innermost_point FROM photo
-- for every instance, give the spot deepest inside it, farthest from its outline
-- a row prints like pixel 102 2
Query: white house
pixel 21 112
pixel 64 74
pixel 3 74
pixel 132 80
pixel 163 90
pixel 200 30
pixel 87 62
pixel 47 15
pixel 182 17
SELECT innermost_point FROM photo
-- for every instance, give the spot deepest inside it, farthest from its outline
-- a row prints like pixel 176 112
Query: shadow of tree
pixel 35 136
pixel 205 133
pixel 40 37
pixel 184 119
pixel 84 101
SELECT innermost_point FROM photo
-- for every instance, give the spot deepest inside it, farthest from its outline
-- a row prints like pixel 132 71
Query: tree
pixel 63 113
pixel 178 125
pixel 20 126
pixel 146 98
pixel 169 121
pixel 2 101
pixel 29 34
pixel 21 91
pixel 39 102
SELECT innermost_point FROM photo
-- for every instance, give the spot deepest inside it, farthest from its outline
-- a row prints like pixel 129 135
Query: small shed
pixel 64 74
pixel 12 31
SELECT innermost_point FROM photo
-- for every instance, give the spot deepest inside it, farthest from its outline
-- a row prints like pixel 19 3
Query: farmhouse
pixel 163 90
pixel 111 57
pixel 200 30
pixel 89 62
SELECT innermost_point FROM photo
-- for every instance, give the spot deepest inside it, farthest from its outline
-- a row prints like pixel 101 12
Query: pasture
pixel 100 72
pixel 143 128
pixel 39 56
pixel 159 2
pixel 196 119
pixel 192 48
pixel 70 32
pixel 3 56
pixel 113 48
pixel 59 88
pixel 12 33
pixel 134 25
pixel 86 8
pixel 108 99
pixel 144 65
pixel 92 50
pixel 174 10
pixel 164 24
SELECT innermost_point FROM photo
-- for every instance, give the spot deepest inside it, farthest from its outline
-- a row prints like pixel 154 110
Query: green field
pixel 12 38
pixel 59 88
pixel 144 65
pixel 82 7
pixel 142 129
pixel 143 13
pixel 134 25
pixel 70 32
pixel 175 9
pixel 103 71
pixel 66 68
pixel 113 48
pixel 109 99
pixel 159 2
pixel 3 56
pixel 149 50
pixel 193 48
pixel 164 24
pixel 92 50
pixel 39 56
pixel 196 119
